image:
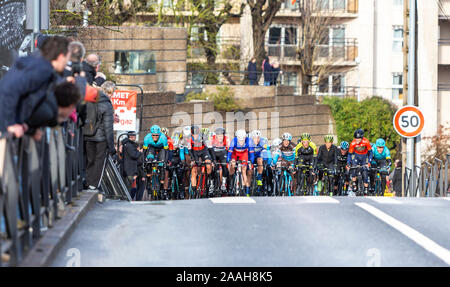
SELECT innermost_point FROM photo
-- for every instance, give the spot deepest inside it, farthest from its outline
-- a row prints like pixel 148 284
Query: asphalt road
pixel 289 231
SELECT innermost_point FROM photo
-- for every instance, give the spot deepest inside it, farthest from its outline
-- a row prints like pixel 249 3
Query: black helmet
pixel 195 130
pixel 359 133
pixel 131 133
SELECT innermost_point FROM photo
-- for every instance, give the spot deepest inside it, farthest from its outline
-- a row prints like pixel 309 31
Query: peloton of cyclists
pixel 197 147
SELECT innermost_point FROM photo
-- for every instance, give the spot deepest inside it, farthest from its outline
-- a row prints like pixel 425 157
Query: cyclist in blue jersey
pixel 240 149
pixel 287 155
pixel 261 153
pixel 156 147
pixel 381 159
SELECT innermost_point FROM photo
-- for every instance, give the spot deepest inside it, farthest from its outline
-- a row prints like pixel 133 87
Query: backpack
pixel 92 121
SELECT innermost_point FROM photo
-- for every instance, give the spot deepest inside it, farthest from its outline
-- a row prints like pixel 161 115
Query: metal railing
pixel 37 180
pixel 429 180
pixel 227 77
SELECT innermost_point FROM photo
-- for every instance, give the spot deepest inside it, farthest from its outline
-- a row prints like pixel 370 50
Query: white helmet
pixel 255 133
pixel 287 136
pixel 186 131
pixel 276 142
pixel 241 134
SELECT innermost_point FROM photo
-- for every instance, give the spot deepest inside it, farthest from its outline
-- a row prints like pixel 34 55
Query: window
pixel 398 3
pixel 338 4
pixel 288 5
pixel 282 41
pixel 397 44
pixel 333 85
pixel 325 5
pixel 332 44
pixel 134 62
pixel 397 86
pixel 289 79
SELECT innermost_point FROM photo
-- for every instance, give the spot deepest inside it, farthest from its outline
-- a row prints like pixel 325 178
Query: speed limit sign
pixel 408 121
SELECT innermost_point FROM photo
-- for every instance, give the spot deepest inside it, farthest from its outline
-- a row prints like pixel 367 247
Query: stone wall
pixel 273 115
pixel 168 44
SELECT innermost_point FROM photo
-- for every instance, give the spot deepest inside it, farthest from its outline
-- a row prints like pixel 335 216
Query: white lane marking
pixel 151 202
pixel 223 200
pixel 425 242
pixel 319 199
pixel 385 200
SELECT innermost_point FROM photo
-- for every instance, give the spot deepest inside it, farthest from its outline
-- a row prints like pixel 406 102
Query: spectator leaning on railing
pixel 29 84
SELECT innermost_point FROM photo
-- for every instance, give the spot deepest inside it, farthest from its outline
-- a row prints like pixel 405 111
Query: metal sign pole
pixel 411 83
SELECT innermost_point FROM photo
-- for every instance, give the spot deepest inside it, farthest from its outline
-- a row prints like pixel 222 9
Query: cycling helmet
pixel 241 134
pixel 186 131
pixel 195 130
pixel 287 136
pixel 329 138
pixel 155 129
pixel 131 133
pixel 380 143
pixel 305 136
pixel 344 145
pixel 220 131
pixel 359 133
pixel 255 133
pixel 205 131
pixel 165 131
pixel 276 142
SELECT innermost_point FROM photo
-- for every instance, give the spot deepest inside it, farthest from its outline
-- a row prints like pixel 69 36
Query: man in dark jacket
pixel 101 143
pixel 396 178
pixel 131 156
pixel 267 72
pixel 29 83
pixel 252 73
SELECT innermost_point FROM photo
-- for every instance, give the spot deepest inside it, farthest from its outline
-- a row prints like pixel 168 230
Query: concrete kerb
pixel 46 248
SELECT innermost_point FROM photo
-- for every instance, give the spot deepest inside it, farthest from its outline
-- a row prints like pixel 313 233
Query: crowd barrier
pixel 37 180
pixel 428 180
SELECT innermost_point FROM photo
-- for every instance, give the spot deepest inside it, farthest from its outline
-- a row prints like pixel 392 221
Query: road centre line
pixel 423 241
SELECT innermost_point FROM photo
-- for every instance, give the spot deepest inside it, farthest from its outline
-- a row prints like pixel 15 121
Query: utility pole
pixel 405 79
pixel 411 81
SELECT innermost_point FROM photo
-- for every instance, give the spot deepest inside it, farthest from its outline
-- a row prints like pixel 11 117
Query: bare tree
pixel 263 12
pixel 314 51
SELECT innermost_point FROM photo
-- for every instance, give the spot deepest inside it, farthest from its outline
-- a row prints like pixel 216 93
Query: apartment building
pixel 365 45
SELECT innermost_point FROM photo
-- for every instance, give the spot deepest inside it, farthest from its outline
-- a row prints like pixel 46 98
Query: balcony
pixel 444 52
pixel 444 12
pixel 328 8
pixel 339 52
pixel 229 49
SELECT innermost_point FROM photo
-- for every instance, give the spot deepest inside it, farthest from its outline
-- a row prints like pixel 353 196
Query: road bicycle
pixel 217 168
pixel 358 185
pixel 237 182
pixel 155 171
pixel 286 181
pixel 326 185
pixel 305 184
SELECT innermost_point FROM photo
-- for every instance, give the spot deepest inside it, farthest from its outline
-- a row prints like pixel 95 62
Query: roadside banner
pixel 124 103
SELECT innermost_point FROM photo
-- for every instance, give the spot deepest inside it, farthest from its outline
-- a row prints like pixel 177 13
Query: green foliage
pixel 224 99
pixel 373 115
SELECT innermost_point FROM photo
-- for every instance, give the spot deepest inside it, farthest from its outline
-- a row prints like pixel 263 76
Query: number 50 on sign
pixel 408 121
